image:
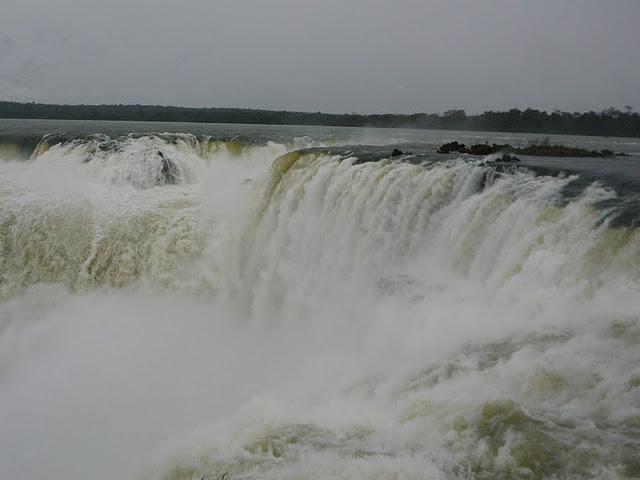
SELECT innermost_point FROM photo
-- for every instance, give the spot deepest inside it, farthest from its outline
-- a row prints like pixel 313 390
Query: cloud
pixel 7 45
pixel 33 65
pixel 356 55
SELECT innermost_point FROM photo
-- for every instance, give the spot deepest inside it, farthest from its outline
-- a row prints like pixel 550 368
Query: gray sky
pixel 329 55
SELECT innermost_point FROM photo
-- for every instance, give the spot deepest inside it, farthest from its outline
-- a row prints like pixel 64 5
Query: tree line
pixel 609 122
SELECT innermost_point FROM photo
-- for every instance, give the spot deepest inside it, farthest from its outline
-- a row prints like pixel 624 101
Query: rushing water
pixel 291 303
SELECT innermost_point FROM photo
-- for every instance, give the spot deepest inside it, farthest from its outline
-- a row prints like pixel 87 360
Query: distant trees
pixel 609 122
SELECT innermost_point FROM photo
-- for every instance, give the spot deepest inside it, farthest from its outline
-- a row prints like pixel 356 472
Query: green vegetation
pixel 610 122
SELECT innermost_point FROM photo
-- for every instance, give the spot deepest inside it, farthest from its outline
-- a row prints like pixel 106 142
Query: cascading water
pixel 177 307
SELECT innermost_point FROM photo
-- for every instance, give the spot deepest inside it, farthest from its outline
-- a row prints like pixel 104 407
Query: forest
pixel 609 122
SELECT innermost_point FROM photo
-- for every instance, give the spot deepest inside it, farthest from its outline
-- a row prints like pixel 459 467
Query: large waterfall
pixel 176 307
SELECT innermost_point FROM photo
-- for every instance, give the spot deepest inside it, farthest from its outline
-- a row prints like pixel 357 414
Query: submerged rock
pixel 406 287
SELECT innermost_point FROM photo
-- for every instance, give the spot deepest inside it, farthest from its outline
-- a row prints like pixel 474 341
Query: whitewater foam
pixel 313 316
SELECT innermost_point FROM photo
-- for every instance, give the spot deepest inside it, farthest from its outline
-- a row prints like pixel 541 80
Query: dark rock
pixel 546 150
pixel 482 149
pixel 540 150
pixel 169 172
pixel 396 153
pixel 478 149
pixel 452 147
pixel 507 159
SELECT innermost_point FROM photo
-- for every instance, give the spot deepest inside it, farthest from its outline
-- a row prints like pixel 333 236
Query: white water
pixel 310 319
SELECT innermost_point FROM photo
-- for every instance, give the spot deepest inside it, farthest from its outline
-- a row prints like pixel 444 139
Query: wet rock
pixel 452 147
pixel 545 150
pixel 482 149
pixel 169 173
pixel 406 287
pixel 507 159
pixel 538 150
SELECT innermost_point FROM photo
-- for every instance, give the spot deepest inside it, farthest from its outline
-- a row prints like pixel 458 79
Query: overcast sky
pixel 328 55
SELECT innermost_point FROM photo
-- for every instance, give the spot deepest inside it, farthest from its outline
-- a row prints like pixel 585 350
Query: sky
pixel 365 56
